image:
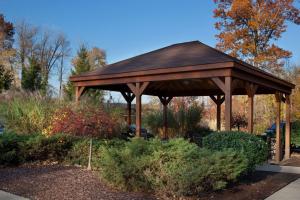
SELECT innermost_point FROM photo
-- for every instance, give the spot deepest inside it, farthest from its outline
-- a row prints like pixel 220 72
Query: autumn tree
pixel 239 121
pixel 6 78
pixel 7 53
pixel 249 29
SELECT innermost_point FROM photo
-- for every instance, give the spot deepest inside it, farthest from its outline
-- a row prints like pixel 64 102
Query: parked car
pixel 271 131
pixel 1 129
pixel 131 132
pixel 270 136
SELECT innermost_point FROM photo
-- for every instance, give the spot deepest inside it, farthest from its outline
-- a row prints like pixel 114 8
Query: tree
pixel 239 121
pixel 7 53
pixel 64 53
pixel 32 76
pixel 248 29
pixel 6 78
pixel 97 58
pixel 294 76
pixel 44 46
pixel 84 61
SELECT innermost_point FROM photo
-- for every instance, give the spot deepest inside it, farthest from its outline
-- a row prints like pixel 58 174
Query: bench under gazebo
pixel 190 69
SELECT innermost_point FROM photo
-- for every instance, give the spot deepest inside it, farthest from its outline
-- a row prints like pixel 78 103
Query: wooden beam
pixel 218 101
pixel 251 90
pixel 156 77
pixel 261 82
pixel 228 103
pixel 194 68
pixel 278 151
pixel 138 89
pixel 287 154
pixel 129 98
pixel 165 101
pixel 78 93
pixel 219 83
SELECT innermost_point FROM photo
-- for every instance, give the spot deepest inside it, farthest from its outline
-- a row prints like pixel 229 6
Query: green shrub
pixel 16 149
pixel 176 167
pixel 53 148
pixel 253 147
pixel 11 146
pixel 79 152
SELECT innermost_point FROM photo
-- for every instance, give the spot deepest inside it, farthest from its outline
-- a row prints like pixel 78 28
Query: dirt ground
pixel 61 182
pixel 293 161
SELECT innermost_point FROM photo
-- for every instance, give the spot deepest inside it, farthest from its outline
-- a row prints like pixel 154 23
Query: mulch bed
pixel 66 182
pixel 60 182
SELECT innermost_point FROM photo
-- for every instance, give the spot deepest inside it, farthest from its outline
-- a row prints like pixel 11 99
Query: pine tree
pixel 81 63
pixel 32 76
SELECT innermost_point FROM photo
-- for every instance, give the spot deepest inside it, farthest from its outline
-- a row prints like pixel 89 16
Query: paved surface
pixel 8 196
pixel 289 192
pixel 279 168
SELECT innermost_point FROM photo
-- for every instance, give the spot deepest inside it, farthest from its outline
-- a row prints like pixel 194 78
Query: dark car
pixel 271 131
pixel 131 132
pixel 1 128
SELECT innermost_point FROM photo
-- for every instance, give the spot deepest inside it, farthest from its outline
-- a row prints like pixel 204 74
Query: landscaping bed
pixel 66 182
pixel 59 182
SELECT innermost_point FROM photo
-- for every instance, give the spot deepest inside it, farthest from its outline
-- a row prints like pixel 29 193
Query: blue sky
pixel 124 28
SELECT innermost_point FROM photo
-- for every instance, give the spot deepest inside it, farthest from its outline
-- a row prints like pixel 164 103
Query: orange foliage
pixel 248 29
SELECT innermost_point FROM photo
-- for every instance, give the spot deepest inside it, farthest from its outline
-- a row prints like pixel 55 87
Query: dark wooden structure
pixel 189 69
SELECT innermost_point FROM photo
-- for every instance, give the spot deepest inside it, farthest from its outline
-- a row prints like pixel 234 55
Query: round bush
pixel 253 147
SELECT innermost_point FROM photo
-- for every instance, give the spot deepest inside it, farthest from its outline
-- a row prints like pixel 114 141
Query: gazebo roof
pixel 182 69
pixel 176 55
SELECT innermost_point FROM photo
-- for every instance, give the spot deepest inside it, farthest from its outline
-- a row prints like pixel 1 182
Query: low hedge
pixel 176 167
pixel 251 146
pixel 16 149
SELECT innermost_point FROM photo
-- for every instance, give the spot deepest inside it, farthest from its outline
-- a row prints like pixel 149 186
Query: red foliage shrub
pixel 88 121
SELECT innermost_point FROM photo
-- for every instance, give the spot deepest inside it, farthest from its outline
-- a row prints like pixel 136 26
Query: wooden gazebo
pixel 190 69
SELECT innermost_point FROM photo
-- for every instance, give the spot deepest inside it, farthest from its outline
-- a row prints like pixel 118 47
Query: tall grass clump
pixel 27 114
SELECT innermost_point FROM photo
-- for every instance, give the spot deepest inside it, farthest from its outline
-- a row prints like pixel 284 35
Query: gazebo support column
pixel 218 101
pixel 287 154
pixel 129 98
pixel 278 150
pixel 165 101
pixel 138 89
pixel 251 90
pixel 228 103
pixel 78 92
pixel 227 89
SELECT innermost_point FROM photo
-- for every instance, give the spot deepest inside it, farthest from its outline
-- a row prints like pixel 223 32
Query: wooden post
pixel 227 90
pixel 78 92
pixel 228 103
pixel 287 154
pixel 138 115
pixel 138 89
pixel 278 97
pixel 218 101
pixel 165 101
pixel 129 98
pixel 251 90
